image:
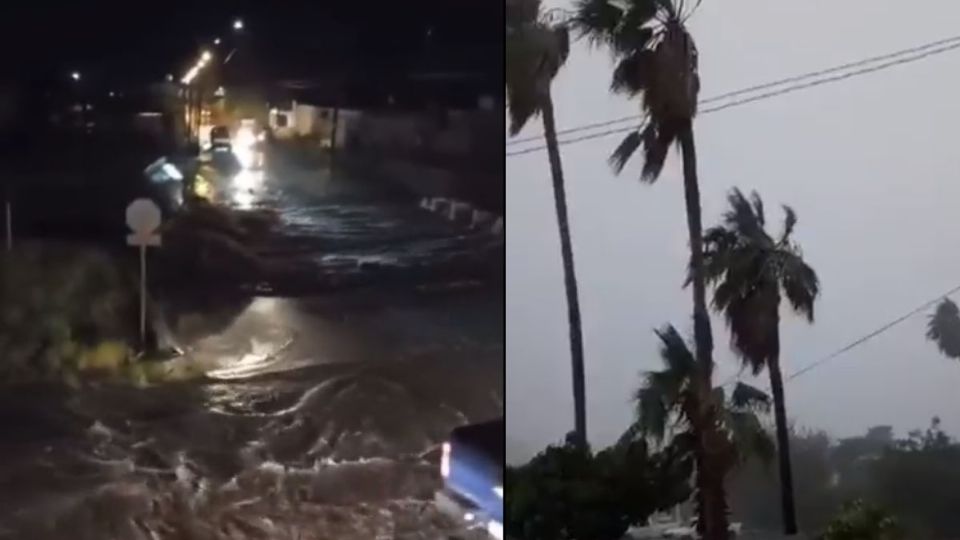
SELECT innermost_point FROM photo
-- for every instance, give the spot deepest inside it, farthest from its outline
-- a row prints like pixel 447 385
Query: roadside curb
pixel 464 213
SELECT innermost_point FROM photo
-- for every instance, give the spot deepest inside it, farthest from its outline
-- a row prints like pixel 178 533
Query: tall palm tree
pixel 944 328
pixel 535 52
pixel 656 59
pixel 669 404
pixel 750 269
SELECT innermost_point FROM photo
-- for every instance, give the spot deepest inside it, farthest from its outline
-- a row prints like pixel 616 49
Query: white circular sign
pixel 143 216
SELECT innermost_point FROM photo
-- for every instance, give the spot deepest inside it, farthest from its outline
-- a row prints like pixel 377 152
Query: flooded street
pixel 328 387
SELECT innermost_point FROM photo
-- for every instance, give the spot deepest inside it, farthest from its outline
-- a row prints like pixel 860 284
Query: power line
pixel 763 86
pixel 763 96
pixel 862 339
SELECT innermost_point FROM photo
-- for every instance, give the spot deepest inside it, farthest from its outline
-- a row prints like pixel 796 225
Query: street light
pixel 75 75
pixel 216 41
pixel 238 24
pixel 206 56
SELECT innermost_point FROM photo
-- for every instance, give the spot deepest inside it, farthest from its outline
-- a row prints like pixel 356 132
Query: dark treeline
pixel 915 478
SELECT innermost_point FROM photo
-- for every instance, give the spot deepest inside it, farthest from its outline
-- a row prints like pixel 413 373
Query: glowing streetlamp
pixel 75 75
pixel 238 24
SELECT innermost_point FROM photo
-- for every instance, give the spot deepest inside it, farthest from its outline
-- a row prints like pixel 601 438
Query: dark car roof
pixel 487 437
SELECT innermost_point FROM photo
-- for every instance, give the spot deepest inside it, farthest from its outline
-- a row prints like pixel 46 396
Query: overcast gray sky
pixel 870 164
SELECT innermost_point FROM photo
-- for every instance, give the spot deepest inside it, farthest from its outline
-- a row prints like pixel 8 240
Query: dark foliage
pixel 915 478
pixel 568 492
pixel 944 328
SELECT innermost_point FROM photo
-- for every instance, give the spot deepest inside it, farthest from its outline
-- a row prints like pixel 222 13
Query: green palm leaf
pixel 745 396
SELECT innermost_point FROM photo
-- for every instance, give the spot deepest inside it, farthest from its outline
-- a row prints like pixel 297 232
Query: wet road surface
pixel 336 230
pixel 320 415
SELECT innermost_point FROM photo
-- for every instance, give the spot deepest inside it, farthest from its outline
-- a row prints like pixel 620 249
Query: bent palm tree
pixel 657 59
pixel 669 404
pixel 535 52
pixel 944 328
pixel 749 269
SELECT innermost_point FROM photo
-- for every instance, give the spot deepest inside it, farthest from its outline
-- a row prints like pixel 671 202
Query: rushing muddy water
pixel 326 434
pixel 320 415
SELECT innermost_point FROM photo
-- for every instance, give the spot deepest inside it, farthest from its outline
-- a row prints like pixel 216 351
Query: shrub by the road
pixel 859 520
pixel 65 309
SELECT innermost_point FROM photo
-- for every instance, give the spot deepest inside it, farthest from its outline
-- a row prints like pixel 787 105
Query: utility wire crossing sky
pixel 903 56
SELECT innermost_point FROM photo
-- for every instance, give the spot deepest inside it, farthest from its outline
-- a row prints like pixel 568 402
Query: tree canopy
pixel 569 492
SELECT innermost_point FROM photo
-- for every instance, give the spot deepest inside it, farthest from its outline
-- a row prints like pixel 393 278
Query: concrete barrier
pixel 463 213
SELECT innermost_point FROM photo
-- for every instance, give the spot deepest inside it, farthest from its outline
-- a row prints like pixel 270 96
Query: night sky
pixel 112 42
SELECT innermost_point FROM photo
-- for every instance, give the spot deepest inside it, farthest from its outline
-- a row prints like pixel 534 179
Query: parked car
pixel 471 465
pixel 220 138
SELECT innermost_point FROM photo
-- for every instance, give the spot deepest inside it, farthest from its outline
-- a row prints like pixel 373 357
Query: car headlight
pixel 445 460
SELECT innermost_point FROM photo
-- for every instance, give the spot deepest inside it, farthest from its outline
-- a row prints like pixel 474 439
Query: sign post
pixel 143 218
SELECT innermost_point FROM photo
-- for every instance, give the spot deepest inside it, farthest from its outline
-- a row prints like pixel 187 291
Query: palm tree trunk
pixel 710 476
pixel 702 335
pixel 569 277
pixel 783 440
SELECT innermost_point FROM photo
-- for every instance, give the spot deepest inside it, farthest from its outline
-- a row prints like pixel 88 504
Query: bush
pixel 862 521
pixel 64 309
pixel 567 492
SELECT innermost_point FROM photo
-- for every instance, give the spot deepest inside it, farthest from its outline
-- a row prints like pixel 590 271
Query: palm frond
pixel 519 13
pixel 596 20
pixel 629 435
pixel 749 397
pixel 789 222
pixel 742 217
pixel 632 73
pixel 944 328
pixel 669 383
pixel 521 108
pixel 634 33
pixel 799 282
pixel 668 7
pixel 718 247
pixel 562 38
pixel 625 150
pixel 657 138
pixel 534 54
pixel 674 353
pixel 757 203
pixel 522 61
pixel 652 412
pixel 749 437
